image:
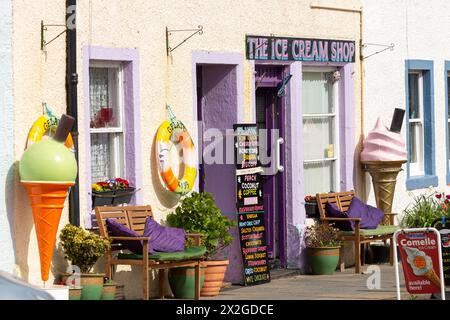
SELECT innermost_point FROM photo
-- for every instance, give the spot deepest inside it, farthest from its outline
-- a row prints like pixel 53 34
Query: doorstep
pixel 284 273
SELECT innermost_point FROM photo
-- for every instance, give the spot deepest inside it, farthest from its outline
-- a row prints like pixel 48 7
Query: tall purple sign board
pixel 250 205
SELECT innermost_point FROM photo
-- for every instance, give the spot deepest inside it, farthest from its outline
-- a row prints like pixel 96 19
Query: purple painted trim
pixel 347 127
pixel 130 59
pixel 205 57
pixel 295 209
pixel 252 91
pixel 289 244
pixel 235 269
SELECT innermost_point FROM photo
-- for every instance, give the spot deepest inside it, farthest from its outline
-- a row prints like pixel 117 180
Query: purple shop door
pixel 269 116
pixel 217 111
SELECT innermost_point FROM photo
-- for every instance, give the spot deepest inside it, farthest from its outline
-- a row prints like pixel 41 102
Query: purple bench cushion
pixel 119 230
pixel 370 216
pixel 164 239
pixel 333 212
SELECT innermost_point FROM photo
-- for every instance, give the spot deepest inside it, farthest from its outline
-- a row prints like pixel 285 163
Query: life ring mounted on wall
pixel 46 123
pixel 171 132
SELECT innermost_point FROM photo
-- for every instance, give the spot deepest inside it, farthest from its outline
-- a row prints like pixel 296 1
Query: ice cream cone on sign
pixel 433 277
pixel 383 154
pixel 47 202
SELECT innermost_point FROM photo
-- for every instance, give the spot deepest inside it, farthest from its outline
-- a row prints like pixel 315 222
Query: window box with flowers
pixel 111 192
pixel 311 207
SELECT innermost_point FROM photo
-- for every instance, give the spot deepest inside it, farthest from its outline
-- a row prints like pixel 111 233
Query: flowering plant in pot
pixel 111 192
pixel 198 213
pixel 425 209
pixel 83 248
pixel 322 242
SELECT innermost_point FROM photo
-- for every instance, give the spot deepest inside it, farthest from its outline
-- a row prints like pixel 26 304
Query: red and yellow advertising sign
pixel 419 252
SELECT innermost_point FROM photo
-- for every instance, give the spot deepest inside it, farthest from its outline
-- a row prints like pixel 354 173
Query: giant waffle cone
pixel 384 177
pixel 433 277
pixel 47 201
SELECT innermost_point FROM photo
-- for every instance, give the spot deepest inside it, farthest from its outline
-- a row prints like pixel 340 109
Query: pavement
pixel 377 282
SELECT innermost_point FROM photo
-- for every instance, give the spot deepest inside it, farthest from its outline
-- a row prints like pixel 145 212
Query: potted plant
pixel 198 213
pixel 111 192
pixel 83 248
pixel 323 245
pixel 425 209
pixel 109 290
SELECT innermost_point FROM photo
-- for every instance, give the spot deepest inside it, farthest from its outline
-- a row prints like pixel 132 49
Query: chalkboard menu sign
pixel 250 205
pixel 443 225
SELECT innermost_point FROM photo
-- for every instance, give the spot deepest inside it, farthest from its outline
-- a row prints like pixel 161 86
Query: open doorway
pixel 270 117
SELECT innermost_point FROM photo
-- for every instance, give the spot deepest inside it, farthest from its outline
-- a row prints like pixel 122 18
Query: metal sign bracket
pixel 169 32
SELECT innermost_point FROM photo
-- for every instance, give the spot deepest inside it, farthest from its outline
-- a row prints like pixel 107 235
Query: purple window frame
pixel 293 245
pixel 130 61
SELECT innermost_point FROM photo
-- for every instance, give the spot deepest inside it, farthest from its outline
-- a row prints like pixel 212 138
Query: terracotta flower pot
pixel 323 260
pixel 109 291
pixel 182 281
pixel 91 283
pixel 214 275
pixel 75 293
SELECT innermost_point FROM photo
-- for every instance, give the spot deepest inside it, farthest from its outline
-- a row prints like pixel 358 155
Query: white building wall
pixel 7 260
pixel 419 30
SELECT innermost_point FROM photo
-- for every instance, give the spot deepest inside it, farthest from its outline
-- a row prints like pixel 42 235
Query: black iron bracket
pixel 384 46
pixel 44 27
pixel 169 49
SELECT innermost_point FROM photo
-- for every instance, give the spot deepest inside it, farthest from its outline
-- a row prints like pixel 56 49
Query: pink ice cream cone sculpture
pixel 382 156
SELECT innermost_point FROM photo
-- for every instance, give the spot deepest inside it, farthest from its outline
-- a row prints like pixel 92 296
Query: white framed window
pixel 416 123
pixel 106 120
pixel 320 116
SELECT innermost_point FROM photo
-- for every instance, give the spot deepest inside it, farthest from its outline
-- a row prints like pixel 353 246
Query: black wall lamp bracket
pixel 44 27
pixel 169 49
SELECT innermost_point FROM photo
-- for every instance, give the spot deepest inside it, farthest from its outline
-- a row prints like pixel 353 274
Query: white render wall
pixel 419 29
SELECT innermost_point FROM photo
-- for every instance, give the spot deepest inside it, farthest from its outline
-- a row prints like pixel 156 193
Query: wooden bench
pixel 358 236
pixel 134 217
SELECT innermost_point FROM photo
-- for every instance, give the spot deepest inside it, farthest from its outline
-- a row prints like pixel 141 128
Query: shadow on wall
pixel 133 284
pixel 165 197
pixel 23 221
pixel 297 248
pixel 9 205
pixel 59 263
pixel 360 178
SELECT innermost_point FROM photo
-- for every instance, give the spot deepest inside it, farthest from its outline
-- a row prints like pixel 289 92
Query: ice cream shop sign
pixel 299 49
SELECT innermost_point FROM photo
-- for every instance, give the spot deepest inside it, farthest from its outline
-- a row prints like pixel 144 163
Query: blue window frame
pixel 447 117
pixel 419 91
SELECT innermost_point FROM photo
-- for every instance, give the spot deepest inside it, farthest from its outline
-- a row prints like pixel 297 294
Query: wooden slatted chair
pixel 134 217
pixel 358 236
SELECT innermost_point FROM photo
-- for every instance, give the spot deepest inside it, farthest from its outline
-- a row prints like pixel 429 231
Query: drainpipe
pixel 361 68
pixel 72 102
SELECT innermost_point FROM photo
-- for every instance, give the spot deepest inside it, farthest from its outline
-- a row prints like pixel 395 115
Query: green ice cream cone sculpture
pixel 47 170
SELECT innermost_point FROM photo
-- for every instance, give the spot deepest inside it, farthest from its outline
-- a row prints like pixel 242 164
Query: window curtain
pixel 318 132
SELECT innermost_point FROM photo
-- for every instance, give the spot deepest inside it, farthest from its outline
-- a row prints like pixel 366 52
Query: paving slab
pixel 340 286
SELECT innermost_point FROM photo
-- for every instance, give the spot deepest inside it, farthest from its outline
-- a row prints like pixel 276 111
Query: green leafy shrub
pixel 422 211
pixel 322 235
pixel 198 213
pixel 82 248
